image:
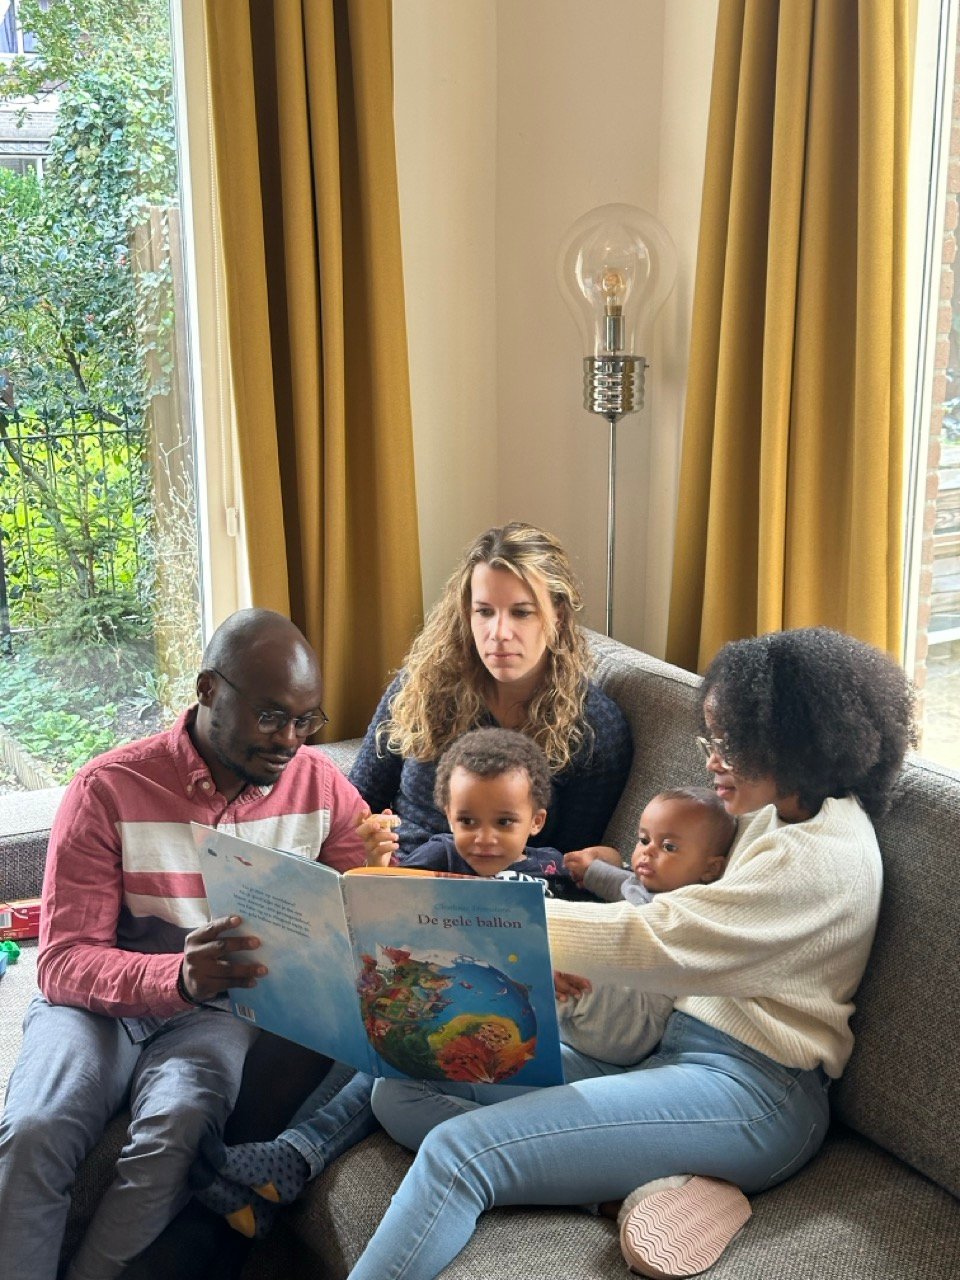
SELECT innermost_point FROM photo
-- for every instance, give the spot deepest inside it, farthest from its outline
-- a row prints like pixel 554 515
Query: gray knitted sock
pixel 245 1211
pixel 275 1170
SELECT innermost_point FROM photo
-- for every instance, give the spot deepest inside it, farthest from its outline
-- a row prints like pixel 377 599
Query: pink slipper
pixel 678 1231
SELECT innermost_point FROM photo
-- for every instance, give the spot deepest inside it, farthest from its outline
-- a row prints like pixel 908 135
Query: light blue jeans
pixel 75 1071
pixel 333 1119
pixel 703 1103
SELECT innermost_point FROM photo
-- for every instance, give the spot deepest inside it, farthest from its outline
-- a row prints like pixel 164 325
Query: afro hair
pixel 821 713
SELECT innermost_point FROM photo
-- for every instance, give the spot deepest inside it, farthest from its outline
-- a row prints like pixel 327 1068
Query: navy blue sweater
pixel 584 794
pixel 440 854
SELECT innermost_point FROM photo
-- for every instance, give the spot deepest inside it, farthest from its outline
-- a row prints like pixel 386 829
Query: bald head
pixel 258 671
pixel 251 633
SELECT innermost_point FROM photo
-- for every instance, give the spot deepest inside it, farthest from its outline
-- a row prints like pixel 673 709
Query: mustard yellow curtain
pixel 302 107
pixel 791 473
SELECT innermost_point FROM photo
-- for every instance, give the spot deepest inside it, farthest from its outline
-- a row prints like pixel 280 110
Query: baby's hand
pixel 576 863
pixel 567 986
pixel 380 840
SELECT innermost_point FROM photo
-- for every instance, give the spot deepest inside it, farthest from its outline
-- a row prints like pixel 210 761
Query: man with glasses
pixel 132 970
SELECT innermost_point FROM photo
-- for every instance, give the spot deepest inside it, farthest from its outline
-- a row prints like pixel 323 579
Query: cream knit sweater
pixel 771 953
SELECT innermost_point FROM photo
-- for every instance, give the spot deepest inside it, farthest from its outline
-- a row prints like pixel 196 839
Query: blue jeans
pixel 703 1103
pixel 75 1071
pixel 333 1119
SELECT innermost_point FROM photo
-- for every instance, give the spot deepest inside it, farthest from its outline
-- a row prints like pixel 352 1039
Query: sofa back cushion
pixel 902 1085
pixel 661 705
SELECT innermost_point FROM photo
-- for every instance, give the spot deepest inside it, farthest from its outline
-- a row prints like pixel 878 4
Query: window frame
pixel 223 561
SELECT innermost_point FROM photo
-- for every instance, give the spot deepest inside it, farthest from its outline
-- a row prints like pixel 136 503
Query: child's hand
pixel 380 840
pixel 567 986
pixel 578 860
pixel 576 863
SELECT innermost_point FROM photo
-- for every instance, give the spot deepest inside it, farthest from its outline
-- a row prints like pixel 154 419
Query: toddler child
pixel 493 785
pixel 684 837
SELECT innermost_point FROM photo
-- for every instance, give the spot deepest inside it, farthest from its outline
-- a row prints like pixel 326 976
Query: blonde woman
pixel 502 647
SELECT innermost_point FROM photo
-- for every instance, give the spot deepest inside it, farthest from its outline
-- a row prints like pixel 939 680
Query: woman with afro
pixel 804 733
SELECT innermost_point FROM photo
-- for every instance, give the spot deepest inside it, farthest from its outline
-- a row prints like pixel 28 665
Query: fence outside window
pixel 75 515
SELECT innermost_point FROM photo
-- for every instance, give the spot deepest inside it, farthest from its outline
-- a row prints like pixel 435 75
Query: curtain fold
pixel 791 472
pixel 302 113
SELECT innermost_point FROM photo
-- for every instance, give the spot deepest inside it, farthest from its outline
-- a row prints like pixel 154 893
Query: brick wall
pixel 940 546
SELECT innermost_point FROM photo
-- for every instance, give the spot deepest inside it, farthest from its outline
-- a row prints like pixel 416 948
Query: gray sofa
pixel 879 1201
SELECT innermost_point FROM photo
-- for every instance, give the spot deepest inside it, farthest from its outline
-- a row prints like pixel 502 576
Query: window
pixel 13 39
pixel 100 581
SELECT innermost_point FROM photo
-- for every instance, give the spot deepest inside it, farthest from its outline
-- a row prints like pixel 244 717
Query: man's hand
pixel 380 840
pixel 208 966
pixel 568 986
pixel 577 861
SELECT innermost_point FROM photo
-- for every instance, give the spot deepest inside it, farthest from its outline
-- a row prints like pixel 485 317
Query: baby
pixel 684 837
pixel 494 786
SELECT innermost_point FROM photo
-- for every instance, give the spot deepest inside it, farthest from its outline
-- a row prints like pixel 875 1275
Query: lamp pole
pixel 613 386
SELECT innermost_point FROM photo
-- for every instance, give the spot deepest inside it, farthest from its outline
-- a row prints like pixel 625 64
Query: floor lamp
pixel 617 264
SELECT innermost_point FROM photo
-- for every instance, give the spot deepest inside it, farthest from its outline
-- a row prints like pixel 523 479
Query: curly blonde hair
pixel 443 693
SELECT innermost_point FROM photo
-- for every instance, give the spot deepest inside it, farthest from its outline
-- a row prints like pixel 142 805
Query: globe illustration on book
pixel 438 1015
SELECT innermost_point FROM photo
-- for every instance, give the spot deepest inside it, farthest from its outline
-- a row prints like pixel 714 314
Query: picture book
pixel 396 972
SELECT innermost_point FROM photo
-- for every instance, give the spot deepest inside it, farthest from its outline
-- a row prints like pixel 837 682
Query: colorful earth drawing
pixel 442 1016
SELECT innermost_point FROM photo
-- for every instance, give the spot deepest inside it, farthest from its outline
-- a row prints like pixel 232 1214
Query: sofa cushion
pixel 902 1087
pixel 660 703
pixel 343 1207
pixel 854 1212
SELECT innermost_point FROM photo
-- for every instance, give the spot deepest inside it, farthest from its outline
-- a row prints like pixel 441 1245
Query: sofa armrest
pixel 25 821
pixel 27 816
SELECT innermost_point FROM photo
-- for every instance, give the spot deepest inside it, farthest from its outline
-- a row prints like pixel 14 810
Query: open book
pixel 397 972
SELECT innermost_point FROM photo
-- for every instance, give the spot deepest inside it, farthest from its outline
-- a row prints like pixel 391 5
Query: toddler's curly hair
pixel 488 753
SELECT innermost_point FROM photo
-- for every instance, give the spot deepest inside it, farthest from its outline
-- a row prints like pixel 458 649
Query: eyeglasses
pixel 277 721
pixel 716 747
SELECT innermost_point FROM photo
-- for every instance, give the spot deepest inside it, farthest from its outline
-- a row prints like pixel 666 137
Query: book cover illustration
pixel 454 977
pixel 398 973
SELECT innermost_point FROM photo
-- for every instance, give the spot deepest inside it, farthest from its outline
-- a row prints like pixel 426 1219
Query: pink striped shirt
pixel 122 886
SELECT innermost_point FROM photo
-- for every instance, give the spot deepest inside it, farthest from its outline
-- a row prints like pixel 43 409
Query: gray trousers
pixel 75 1071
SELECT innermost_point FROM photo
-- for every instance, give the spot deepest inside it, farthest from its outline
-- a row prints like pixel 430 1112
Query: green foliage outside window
pixel 70 299
pixel 86 353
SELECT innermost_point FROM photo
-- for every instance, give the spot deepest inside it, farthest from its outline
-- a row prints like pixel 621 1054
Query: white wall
pixel 513 118
pixel 689 29
pixel 446 113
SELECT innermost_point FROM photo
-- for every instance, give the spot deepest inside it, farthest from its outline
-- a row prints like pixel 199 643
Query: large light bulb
pixel 615 269
pixel 616 266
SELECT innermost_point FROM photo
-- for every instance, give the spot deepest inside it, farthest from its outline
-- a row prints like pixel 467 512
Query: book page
pixel 294 906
